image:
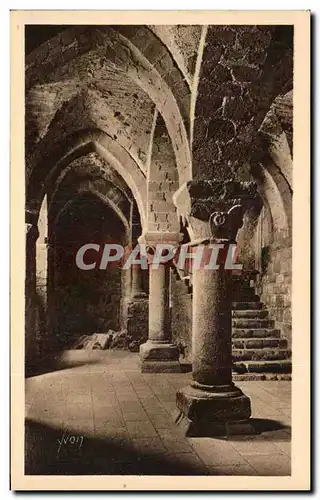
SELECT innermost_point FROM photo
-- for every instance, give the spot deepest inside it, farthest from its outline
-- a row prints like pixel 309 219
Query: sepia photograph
pixel 161 174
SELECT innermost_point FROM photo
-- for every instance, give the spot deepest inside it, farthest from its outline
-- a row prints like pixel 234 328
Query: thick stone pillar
pixel 159 354
pixel 212 404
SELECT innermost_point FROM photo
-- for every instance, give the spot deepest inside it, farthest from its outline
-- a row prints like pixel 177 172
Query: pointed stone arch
pixel 53 162
pixel 105 46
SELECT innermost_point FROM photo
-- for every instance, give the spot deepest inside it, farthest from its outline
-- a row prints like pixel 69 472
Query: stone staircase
pixel 259 352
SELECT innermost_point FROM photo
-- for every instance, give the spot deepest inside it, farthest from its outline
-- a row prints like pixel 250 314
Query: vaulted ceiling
pixel 84 81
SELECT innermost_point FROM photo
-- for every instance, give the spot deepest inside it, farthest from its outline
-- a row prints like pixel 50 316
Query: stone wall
pixel 137 320
pixel 162 182
pixel 85 301
pixel 275 285
pixel 181 316
pixel 243 69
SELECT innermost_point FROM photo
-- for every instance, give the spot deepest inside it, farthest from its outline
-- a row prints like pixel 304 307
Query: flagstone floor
pixel 96 413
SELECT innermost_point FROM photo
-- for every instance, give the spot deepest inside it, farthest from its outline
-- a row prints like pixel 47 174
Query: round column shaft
pixel 212 404
pixel 159 354
pixel 159 312
pixel 211 328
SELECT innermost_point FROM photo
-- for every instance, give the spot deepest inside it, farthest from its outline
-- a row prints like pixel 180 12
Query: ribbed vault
pixel 98 78
pixel 89 174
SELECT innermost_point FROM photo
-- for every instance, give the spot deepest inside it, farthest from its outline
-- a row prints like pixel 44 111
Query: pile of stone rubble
pixel 109 340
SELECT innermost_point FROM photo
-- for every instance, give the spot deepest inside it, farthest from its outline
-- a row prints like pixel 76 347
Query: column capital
pixel 214 209
pixel 153 238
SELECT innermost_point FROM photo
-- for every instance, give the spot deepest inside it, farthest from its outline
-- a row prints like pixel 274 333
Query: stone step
pixel 250 313
pixel 245 297
pixel 252 323
pixel 239 306
pixel 257 333
pixel 242 287
pixel 279 366
pixel 260 343
pixel 264 354
pixel 243 291
pixel 238 377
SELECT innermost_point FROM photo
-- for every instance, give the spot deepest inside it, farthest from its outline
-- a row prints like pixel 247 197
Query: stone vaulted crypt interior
pixel 138 134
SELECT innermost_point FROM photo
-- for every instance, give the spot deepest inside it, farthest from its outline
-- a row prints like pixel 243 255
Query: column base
pixel 221 412
pixel 157 357
pixel 160 367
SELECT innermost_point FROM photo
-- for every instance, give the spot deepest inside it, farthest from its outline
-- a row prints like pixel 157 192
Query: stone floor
pixel 94 412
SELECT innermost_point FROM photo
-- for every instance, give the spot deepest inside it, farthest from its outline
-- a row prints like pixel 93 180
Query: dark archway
pixel 84 301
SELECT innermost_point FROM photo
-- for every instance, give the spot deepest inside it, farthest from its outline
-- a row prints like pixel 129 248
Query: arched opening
pixel 84 301
pixel 272 244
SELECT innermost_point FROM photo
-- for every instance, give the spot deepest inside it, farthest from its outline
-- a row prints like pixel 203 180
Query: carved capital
pixel 157 241
pixel 213 210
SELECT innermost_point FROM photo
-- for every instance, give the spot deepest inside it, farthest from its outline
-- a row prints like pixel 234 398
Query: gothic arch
pixel 91 169
pixel 276 194
pixel 53 162
pixel 105 46
pixel 86 188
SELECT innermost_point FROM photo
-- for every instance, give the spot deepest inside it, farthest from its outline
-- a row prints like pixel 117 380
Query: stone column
pixel 159 354
pixel 212 404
